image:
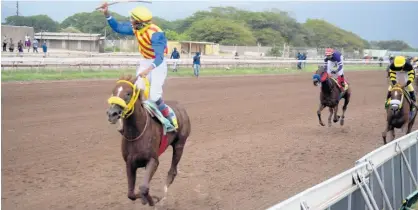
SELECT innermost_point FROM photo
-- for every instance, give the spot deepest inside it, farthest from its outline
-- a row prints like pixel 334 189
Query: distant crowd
pixel 9 44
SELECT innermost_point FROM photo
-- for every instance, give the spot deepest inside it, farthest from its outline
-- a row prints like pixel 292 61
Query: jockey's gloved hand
pixel 333 72
pixel 393 82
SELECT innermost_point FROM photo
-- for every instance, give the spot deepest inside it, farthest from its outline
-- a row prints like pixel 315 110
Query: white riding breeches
pixel 156 78
pixel 402 77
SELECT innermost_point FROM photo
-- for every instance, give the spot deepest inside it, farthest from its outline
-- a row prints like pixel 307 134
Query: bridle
pixel 128 108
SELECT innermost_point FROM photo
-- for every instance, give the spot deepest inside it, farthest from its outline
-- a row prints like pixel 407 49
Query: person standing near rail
pixel 196 64
pixel 153 47
pixel 176 56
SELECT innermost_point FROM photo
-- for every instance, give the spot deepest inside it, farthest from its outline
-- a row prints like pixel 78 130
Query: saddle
pixel 343 91
pixel 152 108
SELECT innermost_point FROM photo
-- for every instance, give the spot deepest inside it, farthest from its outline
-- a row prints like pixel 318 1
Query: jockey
pixel 333 57
pixel 152 44
pixel 400 70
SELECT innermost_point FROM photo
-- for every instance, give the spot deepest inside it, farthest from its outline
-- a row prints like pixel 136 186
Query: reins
pixel 140 135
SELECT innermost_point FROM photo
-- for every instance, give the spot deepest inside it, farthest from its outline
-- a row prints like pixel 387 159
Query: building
pixel 205 48
pixel 72 41
pixel 17 33
pixel 184 47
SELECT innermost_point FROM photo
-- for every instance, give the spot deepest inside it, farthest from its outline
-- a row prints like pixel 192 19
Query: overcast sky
pixel 371 20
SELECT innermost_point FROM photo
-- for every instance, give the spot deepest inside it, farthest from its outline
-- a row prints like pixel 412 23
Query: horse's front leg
pixel 336 116
pixel 384 134
pixel 331 111
pixel 150 169
pixel 131 173
pixel 321 107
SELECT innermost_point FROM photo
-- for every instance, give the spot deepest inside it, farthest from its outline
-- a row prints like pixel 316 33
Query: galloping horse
pixel 144 138
pixel 331 93
pixel 399 112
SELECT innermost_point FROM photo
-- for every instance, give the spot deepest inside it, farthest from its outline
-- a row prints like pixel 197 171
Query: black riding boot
pixel 414 99
pixel 387 98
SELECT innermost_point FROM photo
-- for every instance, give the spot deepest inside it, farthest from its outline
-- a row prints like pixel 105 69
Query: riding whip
pixel 126 1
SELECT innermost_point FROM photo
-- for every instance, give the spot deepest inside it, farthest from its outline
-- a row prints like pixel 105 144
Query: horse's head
pixel 320 75
pixel 396 98
pixel 123 99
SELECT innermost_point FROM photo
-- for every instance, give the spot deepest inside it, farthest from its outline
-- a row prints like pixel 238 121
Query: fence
pixel 381 179
pixel 118 62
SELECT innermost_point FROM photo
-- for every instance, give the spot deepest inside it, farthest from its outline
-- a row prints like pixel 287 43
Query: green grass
pixel 68 74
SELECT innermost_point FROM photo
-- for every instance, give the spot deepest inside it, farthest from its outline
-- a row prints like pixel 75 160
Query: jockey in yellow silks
pixel 153 47
pixel 402 72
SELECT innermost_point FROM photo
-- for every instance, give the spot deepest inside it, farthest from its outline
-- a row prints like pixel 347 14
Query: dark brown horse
pixel 142 138
pixel 398 113
pixel 330 95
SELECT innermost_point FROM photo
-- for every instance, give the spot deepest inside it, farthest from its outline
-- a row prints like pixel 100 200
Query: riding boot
pixel 387 98
pixel 167 112
pixel 341 81
pixel 414 100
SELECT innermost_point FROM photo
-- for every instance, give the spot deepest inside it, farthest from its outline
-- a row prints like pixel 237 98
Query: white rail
pixel 379 180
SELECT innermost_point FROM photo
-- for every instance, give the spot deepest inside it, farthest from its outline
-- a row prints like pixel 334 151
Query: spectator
pixel 299 57
pixel 176 56
pixel 44 48
pixel 304 59
pixel 28 44
pixel 196 64
pixel 27 40
pixel 5 44
pixel 35 45
pixel 11 45
pixel 20 47
pixel 380 61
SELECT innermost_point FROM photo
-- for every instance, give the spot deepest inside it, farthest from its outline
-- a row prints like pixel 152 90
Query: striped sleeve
pixel 340 62
pixel 392 74
pixel 411 75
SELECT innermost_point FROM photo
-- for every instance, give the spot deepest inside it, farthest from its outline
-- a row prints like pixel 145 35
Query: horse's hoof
pixel 342 122
pixel 156 199
pixel 144 200
pixel 322 124
pixel 132 196
pixel 143 195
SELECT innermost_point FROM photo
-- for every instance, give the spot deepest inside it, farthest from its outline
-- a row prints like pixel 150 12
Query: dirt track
pixel 255 141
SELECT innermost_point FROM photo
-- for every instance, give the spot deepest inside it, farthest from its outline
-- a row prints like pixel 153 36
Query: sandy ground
pixel 255 141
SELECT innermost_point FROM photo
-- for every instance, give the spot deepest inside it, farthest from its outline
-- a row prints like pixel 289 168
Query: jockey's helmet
pixel 399 61
pixel 329 52
pixel 140 17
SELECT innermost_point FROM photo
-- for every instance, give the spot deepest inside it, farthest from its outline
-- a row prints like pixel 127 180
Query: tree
pixel 325 34
pixel 174 36
pixel 269 37
pixel 38 22
pixel 393 45
pixel 93 22
pixel 222 31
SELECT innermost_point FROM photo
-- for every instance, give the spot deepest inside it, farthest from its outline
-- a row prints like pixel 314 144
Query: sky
pixel 372 20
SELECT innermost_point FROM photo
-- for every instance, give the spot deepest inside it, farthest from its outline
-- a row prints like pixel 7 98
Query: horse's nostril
pixel 114 114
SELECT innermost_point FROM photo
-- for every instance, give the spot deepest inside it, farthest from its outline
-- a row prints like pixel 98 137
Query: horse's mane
pixel 128 77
